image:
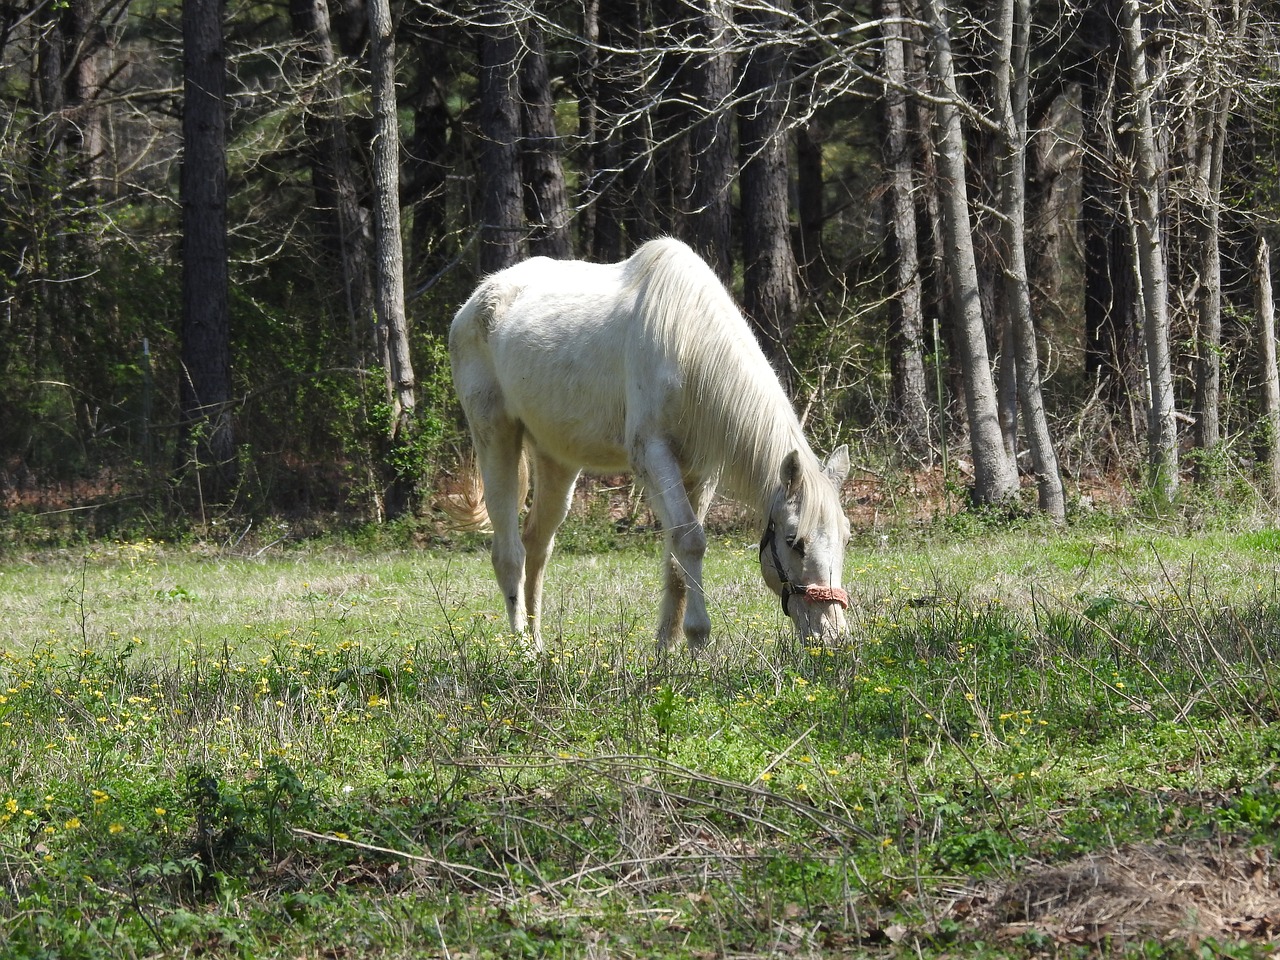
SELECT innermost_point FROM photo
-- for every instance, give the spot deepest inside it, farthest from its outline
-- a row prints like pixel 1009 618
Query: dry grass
pixel 1162 890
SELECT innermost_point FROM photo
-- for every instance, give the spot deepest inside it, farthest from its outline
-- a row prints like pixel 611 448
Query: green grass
pixel 332 751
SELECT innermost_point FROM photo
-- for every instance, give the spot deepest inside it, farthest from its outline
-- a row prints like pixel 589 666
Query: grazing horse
pixel 648 366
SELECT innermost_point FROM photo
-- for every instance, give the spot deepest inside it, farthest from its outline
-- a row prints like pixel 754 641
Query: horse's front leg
pixel 686 545
pixel 675 594
pixel 676 591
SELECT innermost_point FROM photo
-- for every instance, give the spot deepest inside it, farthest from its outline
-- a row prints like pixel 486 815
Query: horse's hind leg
pixel 504 492
pixel 552 495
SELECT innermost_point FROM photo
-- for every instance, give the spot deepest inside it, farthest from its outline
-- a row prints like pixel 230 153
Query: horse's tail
pixel 464 502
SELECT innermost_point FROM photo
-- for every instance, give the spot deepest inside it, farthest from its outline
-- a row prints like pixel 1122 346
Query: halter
pixel 813 592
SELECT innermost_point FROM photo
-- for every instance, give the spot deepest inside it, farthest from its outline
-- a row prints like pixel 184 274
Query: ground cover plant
pixel 1035 743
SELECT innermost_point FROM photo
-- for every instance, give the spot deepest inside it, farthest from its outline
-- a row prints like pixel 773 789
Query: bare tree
pixel 1053 178
pixel 546 203
pixel 590 129
pixel 501 200
pixel 771 291
pixel 1270 378
pixel 709 220
pixel 86 38
pixel 336 177
pixel 1013 35
pixel 1111 303
pixel 617 112
pixel 393 326
pixel 428 159
pixel 907 305
pixel 1162 425
pixel 809 134
pixel 1212 95
pixel 205 383
pixel 995 478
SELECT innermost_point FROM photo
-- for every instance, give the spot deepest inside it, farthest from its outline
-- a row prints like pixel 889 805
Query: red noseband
pixel 816 594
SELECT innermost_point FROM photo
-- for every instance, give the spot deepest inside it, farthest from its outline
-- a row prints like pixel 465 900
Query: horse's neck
pixel 754 478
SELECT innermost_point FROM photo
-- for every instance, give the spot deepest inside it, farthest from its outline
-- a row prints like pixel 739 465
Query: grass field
pixel 1036 743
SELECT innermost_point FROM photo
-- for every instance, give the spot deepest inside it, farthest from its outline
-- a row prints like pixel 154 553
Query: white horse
pixel 644 365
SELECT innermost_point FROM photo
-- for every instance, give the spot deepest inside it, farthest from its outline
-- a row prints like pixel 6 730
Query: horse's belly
pixel 577 442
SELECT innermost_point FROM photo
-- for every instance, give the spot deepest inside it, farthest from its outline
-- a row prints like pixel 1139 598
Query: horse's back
pixel 581 302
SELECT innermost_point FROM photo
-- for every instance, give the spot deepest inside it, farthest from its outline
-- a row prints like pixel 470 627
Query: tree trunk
pixel 609 78
pixel 906 308
pixel 350 26
pixel 64 177
pixel 982 149
pixel 336 176
pixel 393 327
pixel 49 91
pixel 810 180
pixel 427 164
pixel 1006 366
pixel 1207 193
pixel 545 201
pixel 1013 37
pixel 1054 154
pixel 208 437
pixel 810 202
pixel 930 244
pixel 1162 426
pixel 1270 377
pixel 666 146
pixel 625 84
pixel 1208 190
pixel 501 203
pixel 995 478
pixel 711 140
pixel 86 39
pixel 771 290
pixel 615 121
pixel 1111 299
pixel 590 132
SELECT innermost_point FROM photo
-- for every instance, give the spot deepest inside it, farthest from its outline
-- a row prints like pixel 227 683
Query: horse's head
pixel 802 549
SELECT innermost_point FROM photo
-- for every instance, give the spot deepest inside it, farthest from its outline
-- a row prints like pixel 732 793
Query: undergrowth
pixel 343 754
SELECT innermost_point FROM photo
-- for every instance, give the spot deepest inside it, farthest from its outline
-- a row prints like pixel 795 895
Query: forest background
pixel 998 242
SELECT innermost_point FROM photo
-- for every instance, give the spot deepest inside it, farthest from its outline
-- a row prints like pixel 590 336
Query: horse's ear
pixel 837 465
pixel 790 474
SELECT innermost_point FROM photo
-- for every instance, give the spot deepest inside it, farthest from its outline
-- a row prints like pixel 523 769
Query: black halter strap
pixel 769 539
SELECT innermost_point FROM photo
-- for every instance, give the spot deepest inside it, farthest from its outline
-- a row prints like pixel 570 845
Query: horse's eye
pixel 796 545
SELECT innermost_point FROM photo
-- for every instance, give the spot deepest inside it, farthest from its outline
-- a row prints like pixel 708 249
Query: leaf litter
pixel 1196 890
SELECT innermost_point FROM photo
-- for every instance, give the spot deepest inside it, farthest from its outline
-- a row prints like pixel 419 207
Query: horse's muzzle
pixel 821 619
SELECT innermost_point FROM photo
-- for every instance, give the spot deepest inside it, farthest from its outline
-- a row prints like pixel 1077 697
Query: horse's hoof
pixel 697 640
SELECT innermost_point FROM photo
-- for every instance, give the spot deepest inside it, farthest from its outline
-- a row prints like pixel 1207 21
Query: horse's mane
pixel 736 420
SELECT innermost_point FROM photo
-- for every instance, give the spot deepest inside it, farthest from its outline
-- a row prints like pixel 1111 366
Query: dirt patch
pixel 1157 890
